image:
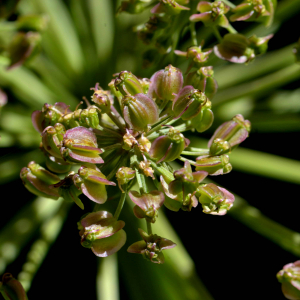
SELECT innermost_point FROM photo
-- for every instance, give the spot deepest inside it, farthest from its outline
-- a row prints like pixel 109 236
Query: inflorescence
pixel 128 138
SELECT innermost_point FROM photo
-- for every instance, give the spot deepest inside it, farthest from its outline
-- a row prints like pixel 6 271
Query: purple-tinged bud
pixel 128 141
pixel 166 84
pixel 92 184
pixel 188 103
pixel 103 100
pixel 169 7
pixel 11 288
pixel 204 120
pixel 52 138
pixel 102 233
pixel 124 175
pixel 151 247
pixel 139 111
pixel 147 204
pixel 22 47
pixel 229 135
pixel 80 145
pixel 255 11
pixel 203 80
pixel 289 277
pixel 168 147
pixel 214 165
pixel 145 167
pixel 57 165
pixel 49 115
pixel 144 144
pixel 183 188
pixel 211 14
pixel 198 56
pixel 259 45
pixel 39 181
pixel 128 84
pixel 215 200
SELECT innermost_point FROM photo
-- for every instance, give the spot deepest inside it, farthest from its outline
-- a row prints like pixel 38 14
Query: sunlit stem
pixel 157 127
pixel 217 33
pixel 116 118
pixel 193 33
pixel 149 228
pixel 162 171
pixel 141 182
pixel 230 4
pixel 231 29
pixel 121 203
pixel 195 151
pixel 185 159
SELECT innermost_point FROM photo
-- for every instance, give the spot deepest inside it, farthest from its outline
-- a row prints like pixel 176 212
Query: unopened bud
pixel 214 165
pixel 128 84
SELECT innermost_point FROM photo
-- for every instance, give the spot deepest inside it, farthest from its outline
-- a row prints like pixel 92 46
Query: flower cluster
pixel 127 139
pixel 170 18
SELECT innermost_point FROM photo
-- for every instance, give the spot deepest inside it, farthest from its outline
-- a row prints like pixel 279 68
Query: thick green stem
pixel 120 204
pixel 162 171
pixel 195 151
pixel 141 182
pixel 185 159
pixel 231 29
pixel 117 119
pixel 149 227
pixel 193 34
pixel 217 33
pixel 157 127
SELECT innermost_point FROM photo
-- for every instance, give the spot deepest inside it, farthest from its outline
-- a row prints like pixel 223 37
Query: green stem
pixel 121 203
pixel 231 29
pixel 193 34
pixel 230 4
pixel 185 159
pixel 162 171
pixel 195 152
pixel 117 166
pixel 149 227
pixel 141 182
pixel 157 127
pixel 261 86
pixel 116 118
pixel 217 33
pixel 111 147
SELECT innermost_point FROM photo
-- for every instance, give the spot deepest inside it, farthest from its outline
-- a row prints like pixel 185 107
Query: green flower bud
pixel 215 200
pixel 39 181
pixel 151 247
pixel 103 100
pixel 124 175
pixel 128 84
pixel 211 14
pixel 229 135
pixel 289 277
pixel 57 165
pixel 204 119
pixel 214 165
pixel 203 80
pixel 11 288
pixel 139 111
pixel 52 138
pixel 22 47
pixel 168 147
pixel 32 23
pixel 188 103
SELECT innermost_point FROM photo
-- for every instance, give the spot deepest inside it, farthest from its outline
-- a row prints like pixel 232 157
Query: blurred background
pixel 236 256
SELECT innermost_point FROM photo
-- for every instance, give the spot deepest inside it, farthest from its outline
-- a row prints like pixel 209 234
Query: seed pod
pixel 128 84
pixel 168 147
pixel 139 111
pixel 214 165
pixel 188 103
pixel 204 119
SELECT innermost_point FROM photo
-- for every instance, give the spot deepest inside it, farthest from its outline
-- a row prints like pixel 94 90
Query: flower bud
pixel 102 233
pixel 11 288
pixel 52 137
pixel 198 56
pixel 32 23
pixel 188 103
pixel 214 165
pixel 203 80
pixel 204 119
pixel 151 247
pixel 255 11
pixel 57 165
pixel 49 115
pixel 169 7
pixel 211 14
pixel 92 184
pixel 166 84
pixel 147 204
pixel 124 175
pixel 144 144
pixel 215 200
pixel 229 135
pixel 145 167
pixel 139 111
pixel 80 145
pixel 103 100
pixel 39 181
pixel 168 147
pixel 289 277
pixel 128 84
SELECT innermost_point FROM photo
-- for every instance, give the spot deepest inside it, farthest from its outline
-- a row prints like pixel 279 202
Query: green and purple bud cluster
pixel 169 18
pixel 126 141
